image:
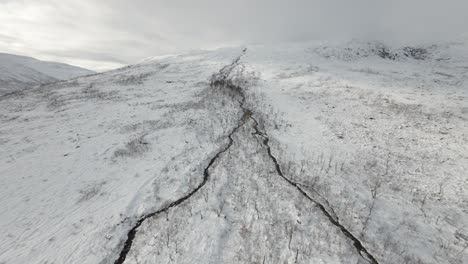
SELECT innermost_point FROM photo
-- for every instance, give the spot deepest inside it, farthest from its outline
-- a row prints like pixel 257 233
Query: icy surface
pixel 355 153
pixel 19 72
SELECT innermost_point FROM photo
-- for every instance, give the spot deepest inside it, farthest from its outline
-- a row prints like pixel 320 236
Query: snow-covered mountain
pixel 298 153
pixel 19 72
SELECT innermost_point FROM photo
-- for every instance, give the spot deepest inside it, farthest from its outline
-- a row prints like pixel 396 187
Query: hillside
pixel 295 153
pixel 19 72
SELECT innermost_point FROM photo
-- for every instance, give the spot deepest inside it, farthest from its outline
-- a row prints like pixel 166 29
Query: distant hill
pixel 20 72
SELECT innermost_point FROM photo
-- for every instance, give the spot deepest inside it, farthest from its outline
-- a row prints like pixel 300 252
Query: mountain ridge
pixel 19 72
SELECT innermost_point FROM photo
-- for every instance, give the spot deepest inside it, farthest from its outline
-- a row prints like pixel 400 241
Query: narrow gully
pixel 363 252
pixel 223 75
pixel 221 80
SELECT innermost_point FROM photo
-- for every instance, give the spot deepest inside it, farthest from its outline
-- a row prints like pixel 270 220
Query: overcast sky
pixel 103 34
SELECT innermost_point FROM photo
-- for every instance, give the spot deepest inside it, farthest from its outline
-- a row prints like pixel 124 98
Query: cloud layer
pixel 109 33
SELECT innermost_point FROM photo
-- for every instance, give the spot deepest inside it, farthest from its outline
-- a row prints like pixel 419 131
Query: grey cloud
pixel 124 31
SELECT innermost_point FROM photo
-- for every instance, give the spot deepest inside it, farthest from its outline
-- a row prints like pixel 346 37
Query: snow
pixel 380 143
pixel 368 132
pixel 19 72
pixel 246 214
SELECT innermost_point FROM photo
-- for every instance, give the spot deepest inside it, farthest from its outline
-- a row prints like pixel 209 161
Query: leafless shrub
pixel 55 102
pixel 13 94
pixel 133 79
pixel 56 99
pixel 274 120
pixel 234 79
pixel 145 126
pixel 354 51
pixel 244 78
pixel 133 148
pixel 93 93
pixel 67 84
pixel 90 191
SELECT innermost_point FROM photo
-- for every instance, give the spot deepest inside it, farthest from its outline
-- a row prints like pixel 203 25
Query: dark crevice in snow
pixel 333 219
pixel 216 82
pixel 222 80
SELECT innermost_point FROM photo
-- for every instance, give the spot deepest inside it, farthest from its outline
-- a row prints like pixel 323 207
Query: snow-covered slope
pixel 19 72
pixel 300 153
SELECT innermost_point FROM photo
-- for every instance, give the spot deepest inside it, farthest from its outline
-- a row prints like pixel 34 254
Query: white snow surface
pixel 381 143
pixel 20 72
